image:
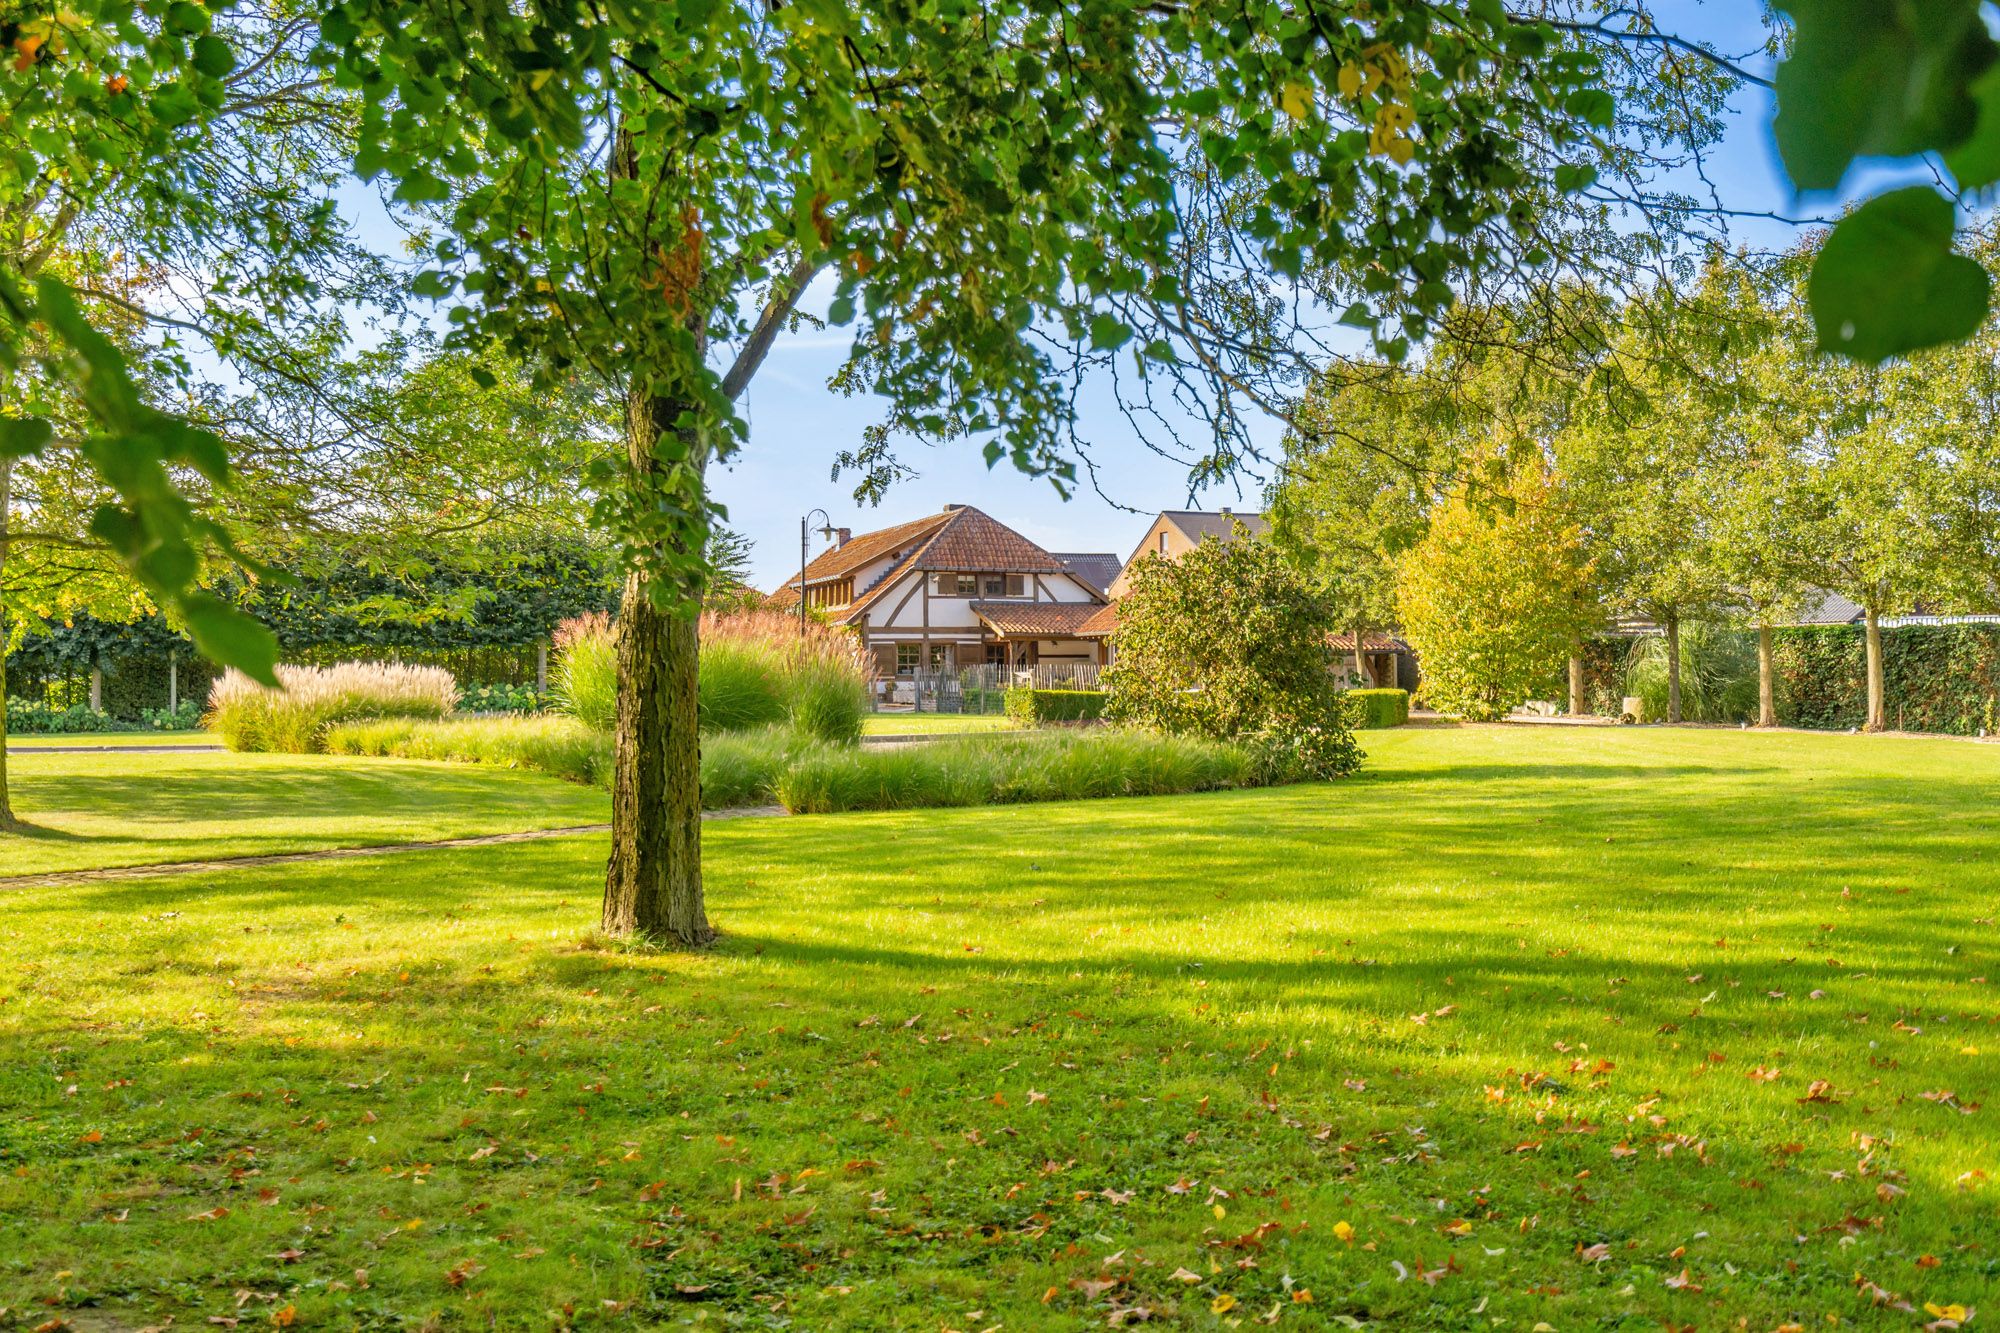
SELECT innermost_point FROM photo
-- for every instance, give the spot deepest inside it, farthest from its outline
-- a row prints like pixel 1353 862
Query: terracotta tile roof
pixel 976 543
pixel 859 552
pixel 1042 620
pixel 1103 622
pixel 1371 643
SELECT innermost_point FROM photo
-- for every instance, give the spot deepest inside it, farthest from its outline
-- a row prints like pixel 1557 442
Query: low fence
pixel 979 689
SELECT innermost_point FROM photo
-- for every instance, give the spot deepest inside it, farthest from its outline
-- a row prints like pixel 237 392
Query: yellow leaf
pixel 1220 1211
pixel 1344 1231
pixel 1297 100
pixel 1350 80
pixel 1946 1311
pixel 1222 1304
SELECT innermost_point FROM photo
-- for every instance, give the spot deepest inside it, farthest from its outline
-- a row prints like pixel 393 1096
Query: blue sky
pixel 798 425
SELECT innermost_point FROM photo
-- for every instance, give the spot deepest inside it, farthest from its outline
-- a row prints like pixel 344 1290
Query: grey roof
pixel 1219 524
pixel 1097 568
pixel 1828 608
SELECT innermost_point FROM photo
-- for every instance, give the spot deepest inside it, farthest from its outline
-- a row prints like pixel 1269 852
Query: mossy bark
pixel 652 886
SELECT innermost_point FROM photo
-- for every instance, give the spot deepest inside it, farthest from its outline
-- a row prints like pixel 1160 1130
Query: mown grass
pixel 1541 1015
pixel 89 810
pixel 38 740
pixel 920 724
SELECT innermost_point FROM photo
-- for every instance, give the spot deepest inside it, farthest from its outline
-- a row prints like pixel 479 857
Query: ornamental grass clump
pixel 757 671
pixel 586 682
pixel 294 719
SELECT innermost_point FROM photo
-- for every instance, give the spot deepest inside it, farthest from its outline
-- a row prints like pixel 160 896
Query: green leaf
pixel 228 636
pixel 1593 106
pixel 213 57
pixel 1108 332
pixel 1975 164
pixel 1865 78
pixel 1358 316
pixel 1887 281
pixel 22 436
pixel 841 310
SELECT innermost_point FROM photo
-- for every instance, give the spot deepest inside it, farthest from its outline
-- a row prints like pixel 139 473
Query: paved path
pixel 57 877
pixel 111 749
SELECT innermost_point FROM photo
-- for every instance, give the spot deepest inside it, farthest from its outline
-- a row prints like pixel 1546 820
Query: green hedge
pixel 1942 678
pixel 1374 709
pixel 1031 706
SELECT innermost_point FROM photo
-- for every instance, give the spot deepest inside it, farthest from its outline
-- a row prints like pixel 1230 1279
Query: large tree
pixel 998 198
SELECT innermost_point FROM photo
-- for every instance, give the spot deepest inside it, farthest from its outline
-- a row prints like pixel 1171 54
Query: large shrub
pixel 1495 597
pixel 1030 706
pixel 1228 642
pixel 28 717
pixel 295 718
pixel 1375 709
pixel 756 671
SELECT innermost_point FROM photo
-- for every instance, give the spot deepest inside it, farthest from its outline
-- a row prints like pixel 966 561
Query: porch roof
pixel 1041 620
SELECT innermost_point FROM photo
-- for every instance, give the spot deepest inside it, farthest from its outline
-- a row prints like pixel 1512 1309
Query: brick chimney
pixel 841 536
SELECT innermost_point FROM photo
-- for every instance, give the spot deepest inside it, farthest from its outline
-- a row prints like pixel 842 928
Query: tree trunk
pixel 1673 668
pixel 1767 697
pixel 1576 685
pixel 1364 677
pixel 652 886
pixel 1877 720
pixel 6 517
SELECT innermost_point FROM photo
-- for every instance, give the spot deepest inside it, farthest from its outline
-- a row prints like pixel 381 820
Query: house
pixel 1177 531
pixel 959 589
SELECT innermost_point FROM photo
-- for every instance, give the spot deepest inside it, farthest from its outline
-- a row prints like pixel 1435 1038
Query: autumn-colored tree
pixel 1497 594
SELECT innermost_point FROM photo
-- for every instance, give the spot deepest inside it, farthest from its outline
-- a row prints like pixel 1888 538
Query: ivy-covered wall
pixel 482 626
pixel 1943 678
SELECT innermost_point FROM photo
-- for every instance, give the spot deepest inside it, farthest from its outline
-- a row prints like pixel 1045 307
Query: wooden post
pixel 96 688
pixel 541 668
pixel 173 680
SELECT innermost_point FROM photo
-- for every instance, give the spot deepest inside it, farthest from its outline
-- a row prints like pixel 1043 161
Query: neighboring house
pixel 958 589
pixel 1177 531
pixel 1390 662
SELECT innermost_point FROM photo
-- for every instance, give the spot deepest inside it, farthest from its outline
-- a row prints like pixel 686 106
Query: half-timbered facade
pixel 957 589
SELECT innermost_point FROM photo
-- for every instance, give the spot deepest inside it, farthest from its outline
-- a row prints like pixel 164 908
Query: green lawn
pixel 1577 1027
pixel 16 741
pixel 87 810
pixel 917 724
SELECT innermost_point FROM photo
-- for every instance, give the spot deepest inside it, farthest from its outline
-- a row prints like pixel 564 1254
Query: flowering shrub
pixel 295 718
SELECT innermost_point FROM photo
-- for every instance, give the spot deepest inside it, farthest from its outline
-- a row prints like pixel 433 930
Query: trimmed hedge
pixel 1031 706
pixel 1940 678
pixel 1374 709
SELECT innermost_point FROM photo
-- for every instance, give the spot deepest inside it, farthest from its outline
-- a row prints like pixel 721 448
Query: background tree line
pixel 1684 457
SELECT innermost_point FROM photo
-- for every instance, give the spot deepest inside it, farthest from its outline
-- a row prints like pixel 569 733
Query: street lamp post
pixel 826 530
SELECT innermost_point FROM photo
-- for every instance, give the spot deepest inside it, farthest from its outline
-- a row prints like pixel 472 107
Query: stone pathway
pixel 58 877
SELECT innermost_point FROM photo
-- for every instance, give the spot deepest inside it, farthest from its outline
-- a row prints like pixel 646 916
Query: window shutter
pixel 1017 585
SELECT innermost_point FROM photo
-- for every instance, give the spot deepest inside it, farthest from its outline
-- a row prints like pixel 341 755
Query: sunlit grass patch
pixel 1592 1028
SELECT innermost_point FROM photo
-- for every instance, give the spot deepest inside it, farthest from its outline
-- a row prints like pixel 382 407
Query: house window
pixel 993 585
pixel 1163 543
pixel 999 654
pixel 940 657
pixel 907 659
pixel 957 585
pixel 1017 585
